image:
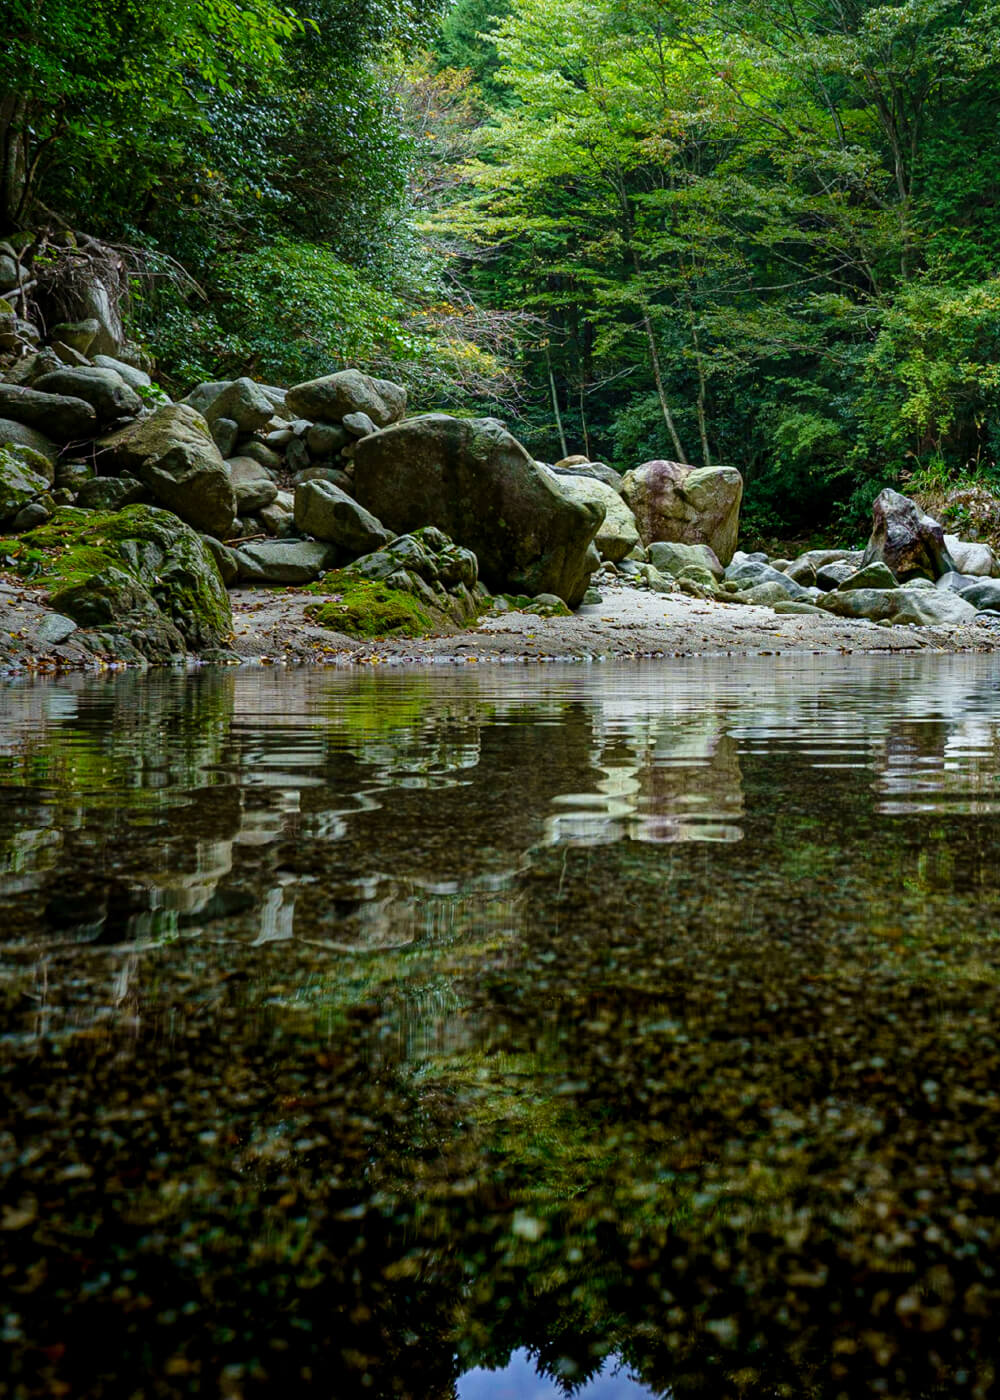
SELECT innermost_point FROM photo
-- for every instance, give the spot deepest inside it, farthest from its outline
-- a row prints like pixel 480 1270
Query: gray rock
pixel 254 488
pixel 359 425
pixel 278 518
pixel 323 510
pixel 331 398
pixel 801 571
pixel 244 402
pixel 797 609
pixel 874 575
pixel 971 557
pixel 34 513
pixel 224 432
pixel 332 474
pixel 80 335
pixel 955 583
pixel 8 272
pixel 136 379
pixel 873 604
pixel 111 493
pixel 68 356
pixel 19 435
pixel 297 457
pixel 259 453
pixel 617 535
pixel 284 561
pixel 982 593
pixel 831 576
pixel 203 395
pixel 225 559
pixel 905 539
pixel 70 476
pixel 750 573
pixel 324 439
pixel 673 559
pixel 476 483
pixel 24 477
pixel 933 608
pixel 597 470
pixel 764 595
pixel 55 415
pixel 53 629
pixel 279 439
pixel 106 392
pixel 172 453
pixel 31 367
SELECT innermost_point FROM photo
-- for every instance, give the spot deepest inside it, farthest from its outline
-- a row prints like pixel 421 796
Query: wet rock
pixel 673 559
pixel 172 453
pixel 331 398
pixel 59 417
pixel 284 561
pixel 474 481
pixel 327 513
pixel 54 628
pixel 617 535
pixel 104 389
pixel 905 539
pixel 687 505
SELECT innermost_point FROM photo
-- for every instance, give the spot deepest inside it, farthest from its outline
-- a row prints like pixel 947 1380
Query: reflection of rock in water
pixel 661 781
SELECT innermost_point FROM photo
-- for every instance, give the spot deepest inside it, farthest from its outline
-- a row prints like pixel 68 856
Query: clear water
pixel 607 1031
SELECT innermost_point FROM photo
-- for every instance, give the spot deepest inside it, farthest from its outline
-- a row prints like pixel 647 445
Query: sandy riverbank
pixel 270 626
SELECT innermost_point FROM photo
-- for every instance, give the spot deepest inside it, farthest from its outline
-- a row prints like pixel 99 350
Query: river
pixel 610 1030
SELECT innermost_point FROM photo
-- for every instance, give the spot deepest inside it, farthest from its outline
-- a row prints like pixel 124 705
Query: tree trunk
pixel 555 404
pixel 706 455
pixel 13 159
pixel 661 393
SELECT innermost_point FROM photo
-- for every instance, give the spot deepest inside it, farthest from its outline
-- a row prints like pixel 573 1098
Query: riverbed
pixel 615 1030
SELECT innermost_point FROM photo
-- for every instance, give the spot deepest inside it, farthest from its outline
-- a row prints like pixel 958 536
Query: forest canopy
pixel 759 233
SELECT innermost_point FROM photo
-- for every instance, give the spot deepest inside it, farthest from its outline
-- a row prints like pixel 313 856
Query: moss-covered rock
pixel 363 607
pixel 419 583
pixel 24 477
pixel 140 572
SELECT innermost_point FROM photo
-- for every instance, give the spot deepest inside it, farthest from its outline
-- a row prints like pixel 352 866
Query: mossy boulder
pixel 172 453
pixel 419 583
pixel 139 572
pixel 24 477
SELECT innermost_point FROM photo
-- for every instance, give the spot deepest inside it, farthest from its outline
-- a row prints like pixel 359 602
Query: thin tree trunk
pixel 583 420
pixel 555 404
pixel 661 393
pixel 700 367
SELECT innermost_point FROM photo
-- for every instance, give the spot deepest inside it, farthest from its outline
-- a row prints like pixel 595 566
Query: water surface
pixel 610 1031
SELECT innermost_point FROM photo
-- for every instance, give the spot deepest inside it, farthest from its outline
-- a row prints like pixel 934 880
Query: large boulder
pixel 982 593
pixel 333 397
pixel 240 400
pixel 56 415
pixel 24 477
pixel 617 535
pixel 597 470
pixel 328 513
pixel 971 556
pixel 104 389
pixel 172 453
pixel 688 505
pixel 474 481
pixel 751 573
pixel 139 572
pixel 905 539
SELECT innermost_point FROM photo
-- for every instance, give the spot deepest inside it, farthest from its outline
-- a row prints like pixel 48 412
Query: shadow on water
pixel 604 1032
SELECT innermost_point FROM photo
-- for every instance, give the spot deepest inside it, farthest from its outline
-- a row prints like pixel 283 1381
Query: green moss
pixel 101 567
pixel 362 608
